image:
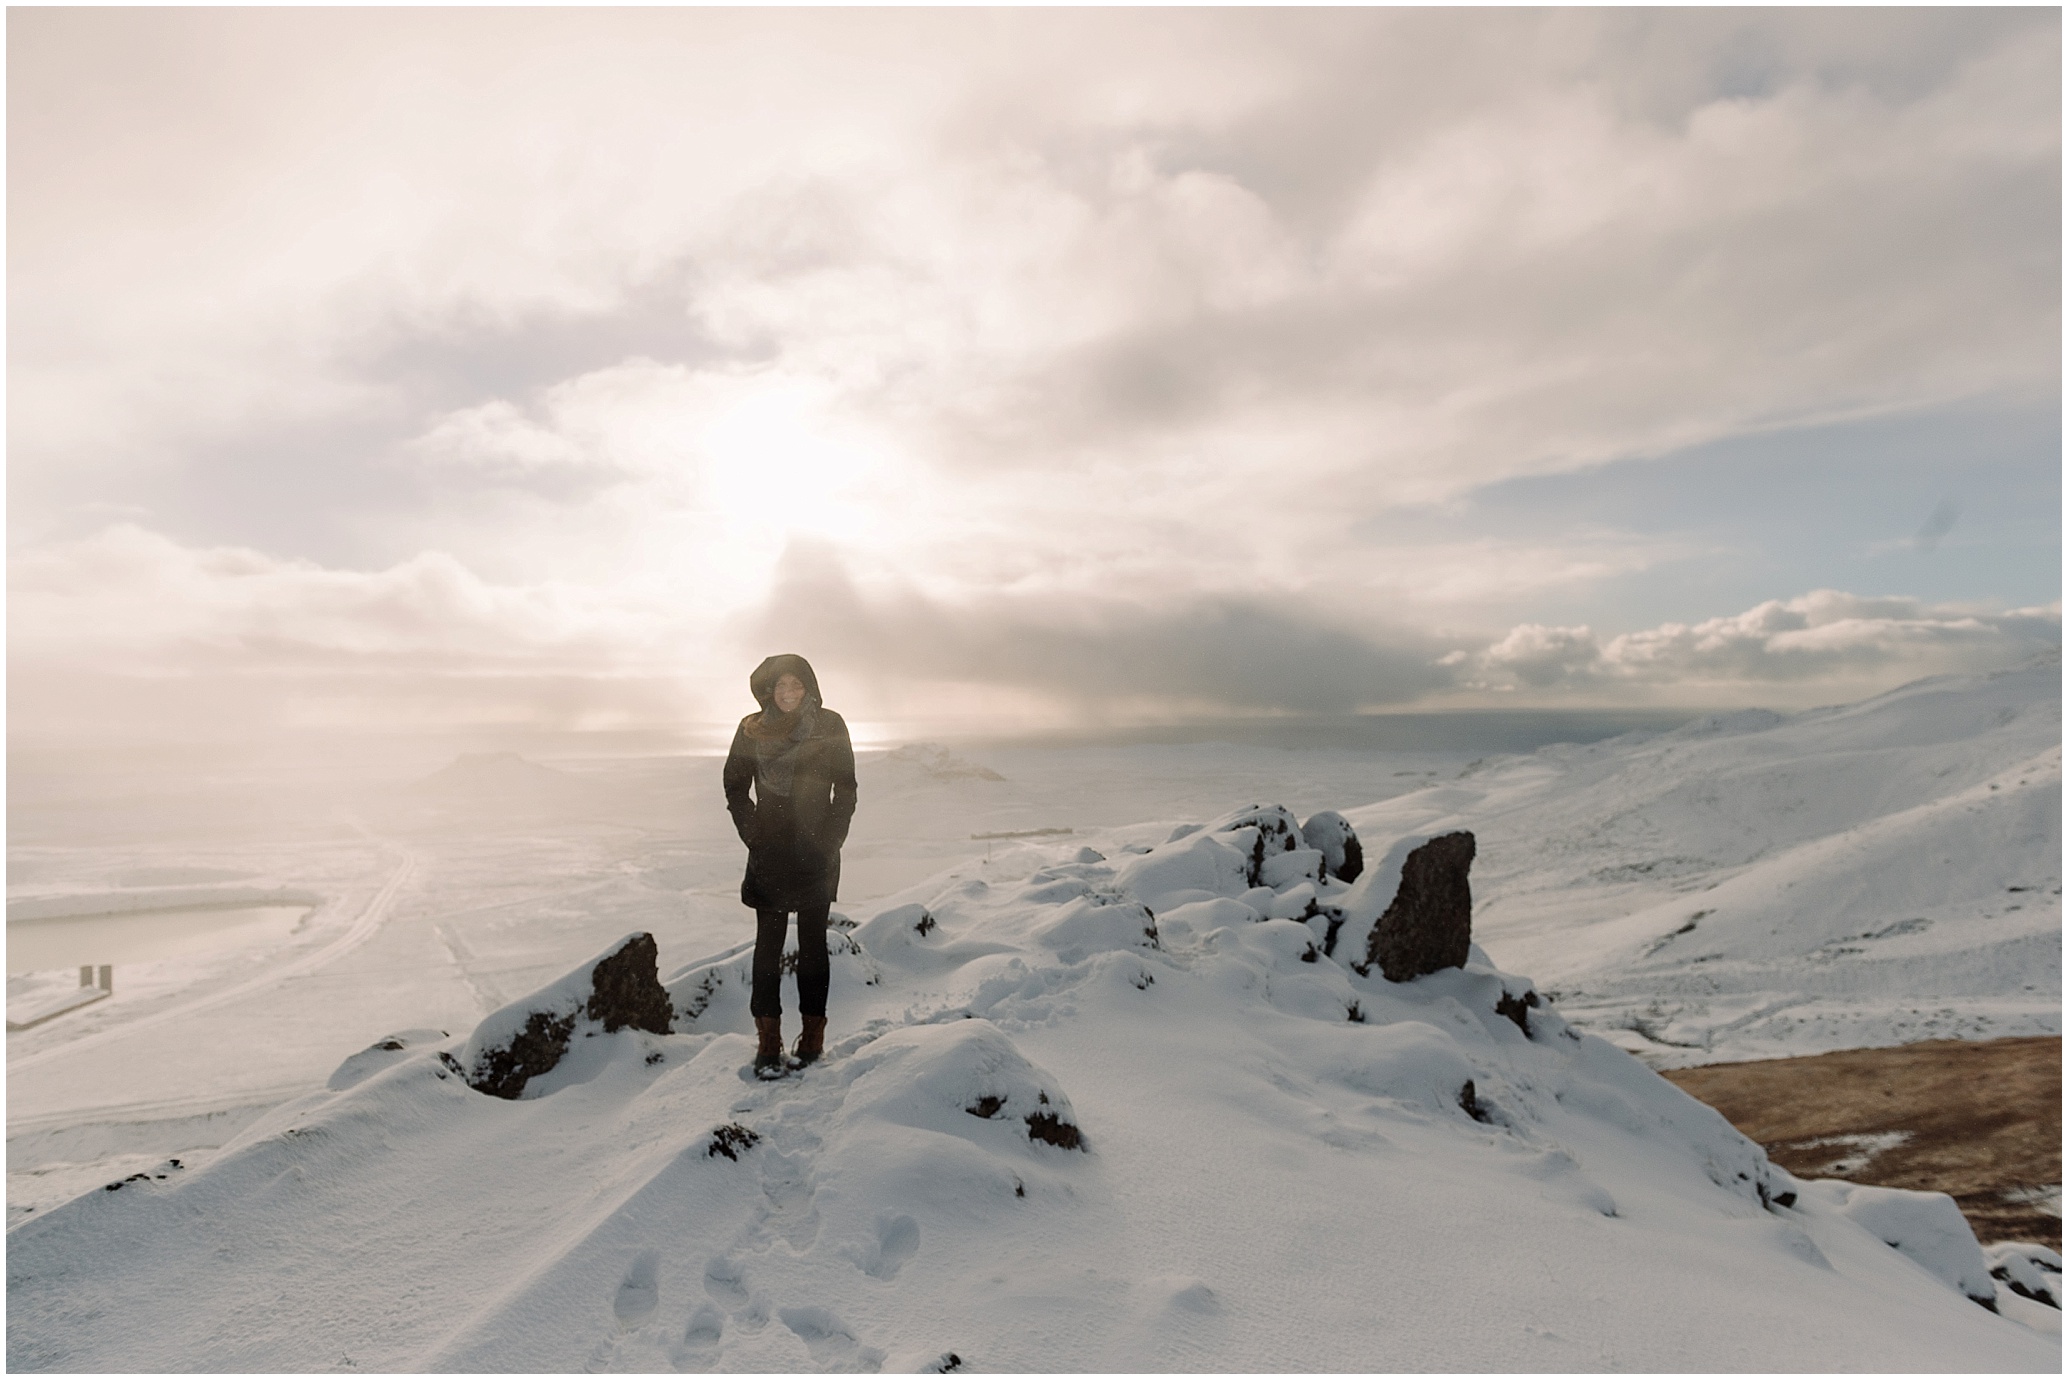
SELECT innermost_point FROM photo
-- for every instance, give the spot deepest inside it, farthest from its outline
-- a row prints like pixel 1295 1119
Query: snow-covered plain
pixel 1264 1183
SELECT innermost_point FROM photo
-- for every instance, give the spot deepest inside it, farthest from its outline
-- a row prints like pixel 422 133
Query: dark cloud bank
pixel 1226 652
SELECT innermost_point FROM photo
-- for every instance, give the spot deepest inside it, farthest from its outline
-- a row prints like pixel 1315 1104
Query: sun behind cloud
pixel 1192 361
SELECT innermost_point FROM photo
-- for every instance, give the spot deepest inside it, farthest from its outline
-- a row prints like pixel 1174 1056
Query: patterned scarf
pixel 776 736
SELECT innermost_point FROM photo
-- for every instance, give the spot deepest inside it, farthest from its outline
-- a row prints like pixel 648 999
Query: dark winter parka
pixel 801 769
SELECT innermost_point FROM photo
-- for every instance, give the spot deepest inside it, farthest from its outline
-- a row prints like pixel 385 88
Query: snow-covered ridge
pixel 1756 885
pixel 1276 1158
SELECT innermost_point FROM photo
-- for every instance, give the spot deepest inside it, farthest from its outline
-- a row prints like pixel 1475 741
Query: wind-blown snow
pixel 1055 1131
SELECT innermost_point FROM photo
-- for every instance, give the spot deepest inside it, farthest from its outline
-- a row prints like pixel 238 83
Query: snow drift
pixel 1152 1112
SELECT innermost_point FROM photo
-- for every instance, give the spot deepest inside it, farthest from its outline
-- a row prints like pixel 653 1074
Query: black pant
pixel 813 970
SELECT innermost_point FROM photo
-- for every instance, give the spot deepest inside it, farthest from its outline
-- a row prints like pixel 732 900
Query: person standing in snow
pixel 797 757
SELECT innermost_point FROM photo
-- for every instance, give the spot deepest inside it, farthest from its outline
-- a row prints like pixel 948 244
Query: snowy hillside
pixel 1757 886
pixel 1090 1107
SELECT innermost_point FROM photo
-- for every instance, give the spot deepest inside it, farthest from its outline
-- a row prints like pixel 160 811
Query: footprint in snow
pixel 698 1349
pixel 828 1339
pixel 817 1326
pixel 755 1315
pixel 790 1212
pixel 725 1284
pixel 897 1241
pixel 919 1360
pixel 640 1293
pixel 706 1326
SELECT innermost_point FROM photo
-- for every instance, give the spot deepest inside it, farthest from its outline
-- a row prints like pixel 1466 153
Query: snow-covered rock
pixel 942 1078
pixel 1197 867
pixel 2026 1269
pixel 616 990
pixel 1262 834
pixel 897 928
pixel 1091 925
pixel 383 1052
pixel 1927 1227
pixel 1331 835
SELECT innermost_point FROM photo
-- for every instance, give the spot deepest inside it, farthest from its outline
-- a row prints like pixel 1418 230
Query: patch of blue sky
pixel 1955 504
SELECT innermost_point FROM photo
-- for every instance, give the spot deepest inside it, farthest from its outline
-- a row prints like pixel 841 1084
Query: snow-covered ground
pixel 1266 1183
pixel 1752 886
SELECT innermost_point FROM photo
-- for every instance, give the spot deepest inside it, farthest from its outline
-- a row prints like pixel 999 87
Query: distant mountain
pixel 491 776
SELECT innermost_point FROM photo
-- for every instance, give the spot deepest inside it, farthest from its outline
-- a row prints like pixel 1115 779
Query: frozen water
pixel 43 945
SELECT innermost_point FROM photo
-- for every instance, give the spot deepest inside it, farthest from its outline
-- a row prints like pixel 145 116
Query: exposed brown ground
pixel 1983 1120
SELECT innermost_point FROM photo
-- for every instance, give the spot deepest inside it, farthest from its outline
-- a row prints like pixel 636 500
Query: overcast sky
pixel 551 367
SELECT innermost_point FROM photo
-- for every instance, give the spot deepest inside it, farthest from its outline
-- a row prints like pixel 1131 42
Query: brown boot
pixel 811 1043
pixel 768 1059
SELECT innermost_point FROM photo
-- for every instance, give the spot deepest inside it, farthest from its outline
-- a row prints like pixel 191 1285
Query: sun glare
pixel 776 466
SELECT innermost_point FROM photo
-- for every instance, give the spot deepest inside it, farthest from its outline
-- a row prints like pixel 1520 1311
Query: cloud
pixel 1825 636
pixel 134 623
pixel 128 632
pixel 131 595
pixel 1537 656
pixel 1399 255
pixel 129 636
pixel 1115 657
pixel 1105 346
pixel 497 436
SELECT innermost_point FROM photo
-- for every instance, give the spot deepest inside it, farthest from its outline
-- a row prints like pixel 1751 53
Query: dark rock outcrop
pixel 1330 835
pixel 1053 1130
pixel 625 989
pixel 1429 925
pixel 1516 1008
pixel 731 1140
pixel 1468 1099
pixel 618 990
pixel 535 1049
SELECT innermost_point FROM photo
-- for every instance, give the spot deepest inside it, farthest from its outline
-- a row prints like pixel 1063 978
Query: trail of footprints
pixel 722 1327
